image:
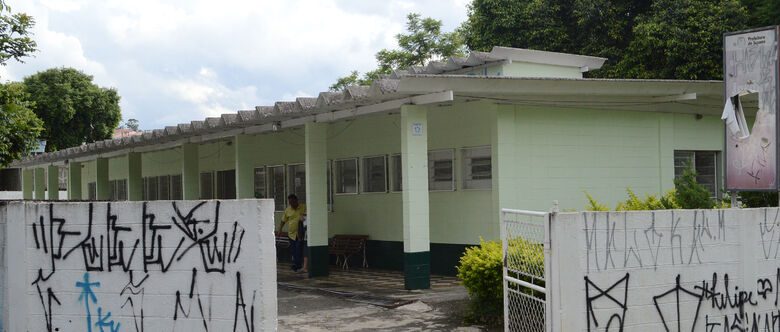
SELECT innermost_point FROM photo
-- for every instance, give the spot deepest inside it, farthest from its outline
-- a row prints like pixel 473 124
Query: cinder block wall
pixel 141 266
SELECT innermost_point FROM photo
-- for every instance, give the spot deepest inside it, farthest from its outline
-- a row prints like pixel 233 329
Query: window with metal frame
pixel 441 170
pixel 177 189
pixel 396 173
pixel 707 167
pixel 152 188
pixel 346 176
pixel 207 185
pixel 163 187
pixel 375 174
pixel 296 181
pixel 92 191
pixel 259 183
pixel 226 184
pixel 276 186
pixel 330 185
pixel 477 168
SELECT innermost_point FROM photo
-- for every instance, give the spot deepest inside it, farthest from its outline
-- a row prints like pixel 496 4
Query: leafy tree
pixel 15 41
pixel 423 42
pixel 19 127
pixel 678 39
pixel 762 12
pixel 132 124
pixel 681 39
pixel 74 110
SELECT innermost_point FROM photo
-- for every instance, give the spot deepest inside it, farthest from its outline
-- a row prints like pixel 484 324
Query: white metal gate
pixel 525 239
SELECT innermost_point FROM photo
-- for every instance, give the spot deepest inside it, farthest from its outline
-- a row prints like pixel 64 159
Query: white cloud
pixel 182 60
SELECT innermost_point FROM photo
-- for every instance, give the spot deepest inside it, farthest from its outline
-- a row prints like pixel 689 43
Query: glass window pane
pixel 176 187
pixel 441 170
pixel 226 184
pixel 260 183
pixel 477 168
pixel 206 185
pixel 153 188
pixel 163 187
pixel 276 186
pixel 375 174
pixel 346 176
pixel 297 181
pixel 395 162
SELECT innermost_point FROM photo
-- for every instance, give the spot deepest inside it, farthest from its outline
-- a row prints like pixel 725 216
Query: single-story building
pixel 422 160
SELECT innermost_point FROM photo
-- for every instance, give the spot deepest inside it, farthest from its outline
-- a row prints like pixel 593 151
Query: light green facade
pixel 544 154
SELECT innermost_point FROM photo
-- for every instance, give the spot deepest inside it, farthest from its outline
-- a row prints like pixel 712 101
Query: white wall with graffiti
pixel 691 270
pixel 138 266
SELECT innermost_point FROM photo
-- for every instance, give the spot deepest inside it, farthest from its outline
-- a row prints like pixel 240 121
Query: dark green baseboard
pixel 389 255
pixel 417 270
pixel 318 261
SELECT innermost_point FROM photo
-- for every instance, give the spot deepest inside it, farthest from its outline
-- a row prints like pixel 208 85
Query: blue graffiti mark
pixel 88 294
pixel 104 322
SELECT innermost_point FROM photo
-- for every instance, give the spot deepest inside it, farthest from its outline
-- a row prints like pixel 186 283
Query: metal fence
pixel 525 240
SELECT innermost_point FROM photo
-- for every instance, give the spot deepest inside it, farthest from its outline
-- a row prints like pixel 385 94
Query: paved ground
pixel 333 305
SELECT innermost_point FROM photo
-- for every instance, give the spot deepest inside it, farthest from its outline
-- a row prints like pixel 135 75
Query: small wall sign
pixel 417 129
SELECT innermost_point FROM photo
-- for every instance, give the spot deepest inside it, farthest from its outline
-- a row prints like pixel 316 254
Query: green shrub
pixel 758 198
pixel 690 194
pixel 481 272
pixel 667 201
pixel 594 205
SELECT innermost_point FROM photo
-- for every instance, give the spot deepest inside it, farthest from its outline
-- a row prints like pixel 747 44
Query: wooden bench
pixel 346 245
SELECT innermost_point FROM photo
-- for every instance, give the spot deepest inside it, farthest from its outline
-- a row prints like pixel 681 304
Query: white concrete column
pixel 40 184
pixel 190 179
pixel 53 182
pixel 101 179
pixel 245 173
pixel 414 161
pixel 74 181
pixel 27 184
pixel 135 182
pixel 316 141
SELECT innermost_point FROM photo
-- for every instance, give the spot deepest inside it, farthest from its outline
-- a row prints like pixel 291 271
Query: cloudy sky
pixel 176 61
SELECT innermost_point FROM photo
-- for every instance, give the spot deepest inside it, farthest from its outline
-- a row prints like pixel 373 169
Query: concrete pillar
pixel 504 164
pixel 74 181
pixel 316 141
pixel 101 179
pixel 27 184
pixel 53 182
pixel 40 184
pixel 414 161
pixel 190 180
pixel 245 173
pixel 135 181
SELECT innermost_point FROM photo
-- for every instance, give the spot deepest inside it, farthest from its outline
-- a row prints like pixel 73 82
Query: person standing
pixel 293 215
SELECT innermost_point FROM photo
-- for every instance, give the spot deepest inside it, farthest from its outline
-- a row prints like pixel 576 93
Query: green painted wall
pixel 559 153
pixel 166 162
pixel 563 152
pixel 117 168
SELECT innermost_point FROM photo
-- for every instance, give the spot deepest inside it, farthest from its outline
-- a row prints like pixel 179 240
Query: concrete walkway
pixel 330 304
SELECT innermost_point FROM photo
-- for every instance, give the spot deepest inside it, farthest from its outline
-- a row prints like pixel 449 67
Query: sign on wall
pixel 142 266
pixel 750 69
